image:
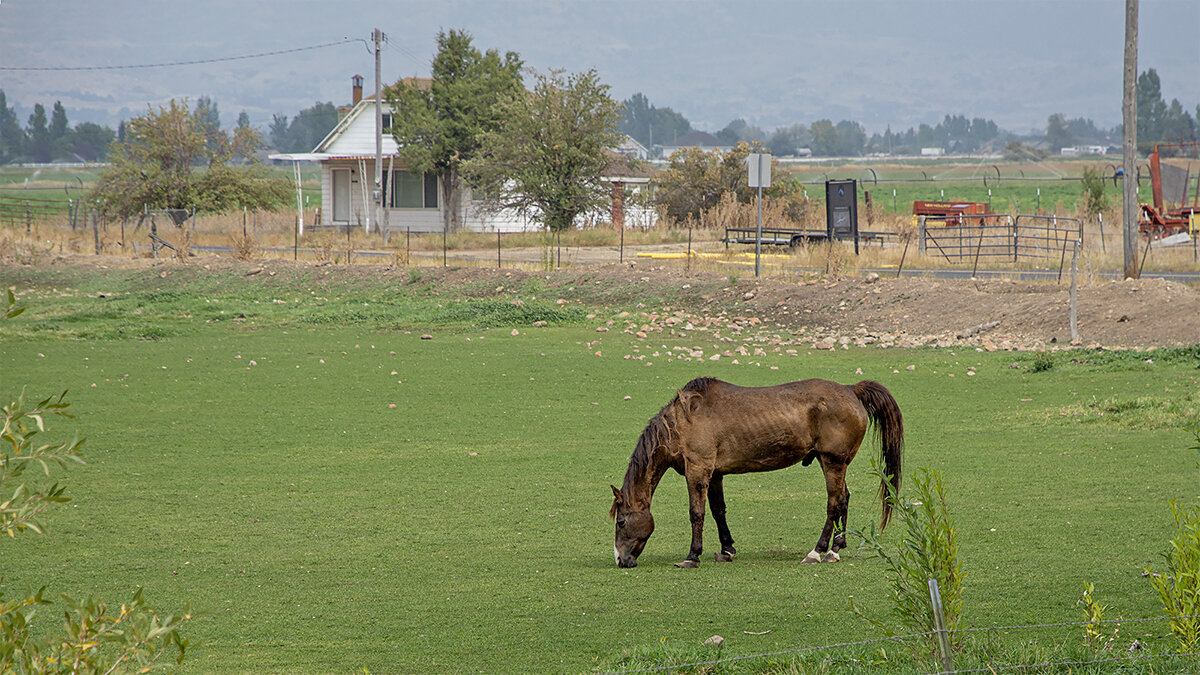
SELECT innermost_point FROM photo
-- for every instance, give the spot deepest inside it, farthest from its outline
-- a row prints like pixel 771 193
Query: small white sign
pixel 760 169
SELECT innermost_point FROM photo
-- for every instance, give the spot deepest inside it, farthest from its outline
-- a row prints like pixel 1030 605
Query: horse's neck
pixel 641 481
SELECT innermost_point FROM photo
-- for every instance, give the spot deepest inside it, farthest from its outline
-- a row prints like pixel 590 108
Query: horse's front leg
pixel 697 494
pixel 716 504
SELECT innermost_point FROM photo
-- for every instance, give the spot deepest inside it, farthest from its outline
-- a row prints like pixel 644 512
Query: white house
pixel 410 199
pixel 695 139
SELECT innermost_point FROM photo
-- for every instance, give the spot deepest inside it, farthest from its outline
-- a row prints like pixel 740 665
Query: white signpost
pixel 759 164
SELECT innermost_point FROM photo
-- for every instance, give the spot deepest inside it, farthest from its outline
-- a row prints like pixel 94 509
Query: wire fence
pixel 1137 652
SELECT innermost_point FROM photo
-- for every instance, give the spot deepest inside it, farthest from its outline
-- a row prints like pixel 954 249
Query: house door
pixel 341 195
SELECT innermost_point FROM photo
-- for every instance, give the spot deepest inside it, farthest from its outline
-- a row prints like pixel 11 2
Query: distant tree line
pixel 1157 122
pixel 48 136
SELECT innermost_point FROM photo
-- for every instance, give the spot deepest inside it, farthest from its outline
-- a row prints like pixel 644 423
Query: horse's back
pixel 772 427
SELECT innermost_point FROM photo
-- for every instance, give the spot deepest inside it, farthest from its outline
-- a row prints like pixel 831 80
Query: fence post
pixel 978 247
pixel 96 231
pixel 498 249
pixel 921 234
pixel 939 622
pixel 1074 284
pixel 1016 241
pixel 688 267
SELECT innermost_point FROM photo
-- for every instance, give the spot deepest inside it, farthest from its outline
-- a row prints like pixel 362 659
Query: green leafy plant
pixel 1179 586
pixel 22 424
pixel 1094 198
pixel 94 639
pixel 928 549
pixel 1042 362
pixel 1093 611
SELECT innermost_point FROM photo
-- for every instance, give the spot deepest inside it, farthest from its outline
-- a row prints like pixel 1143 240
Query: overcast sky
pixel 771 62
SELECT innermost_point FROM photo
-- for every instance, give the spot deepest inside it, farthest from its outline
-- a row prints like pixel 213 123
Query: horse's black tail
pixel 889 428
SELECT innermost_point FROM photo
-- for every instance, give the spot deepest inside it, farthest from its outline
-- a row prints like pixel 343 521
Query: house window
pixel 386 122
pixel 411 190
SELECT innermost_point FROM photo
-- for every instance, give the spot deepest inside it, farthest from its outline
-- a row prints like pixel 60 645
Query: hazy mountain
pixel 771 62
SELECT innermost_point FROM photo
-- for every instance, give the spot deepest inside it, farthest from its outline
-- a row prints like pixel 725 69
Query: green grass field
pixel 243 456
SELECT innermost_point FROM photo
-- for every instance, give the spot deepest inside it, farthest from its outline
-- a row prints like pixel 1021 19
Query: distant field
pixel 1009 187
pixel 1014 187
pixel 243 456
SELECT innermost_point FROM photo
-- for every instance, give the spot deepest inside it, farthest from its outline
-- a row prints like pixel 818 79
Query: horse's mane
pixel 660 432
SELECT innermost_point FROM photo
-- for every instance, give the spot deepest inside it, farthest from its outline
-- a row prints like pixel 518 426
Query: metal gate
pixel 999 238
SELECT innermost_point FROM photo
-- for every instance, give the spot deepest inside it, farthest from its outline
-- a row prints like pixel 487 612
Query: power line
pixel 181 63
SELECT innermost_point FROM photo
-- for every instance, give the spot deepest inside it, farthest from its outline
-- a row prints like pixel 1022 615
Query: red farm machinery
pixel 1174 176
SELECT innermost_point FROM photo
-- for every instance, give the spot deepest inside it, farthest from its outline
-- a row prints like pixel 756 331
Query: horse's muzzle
pixel 624 562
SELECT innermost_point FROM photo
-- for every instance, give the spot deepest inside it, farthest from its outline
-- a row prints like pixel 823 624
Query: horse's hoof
pixel 832 556
pixel 811 559
pixel 723 556
pixel 688 564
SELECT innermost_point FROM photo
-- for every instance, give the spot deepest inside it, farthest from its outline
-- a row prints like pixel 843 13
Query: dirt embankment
pixel 852 309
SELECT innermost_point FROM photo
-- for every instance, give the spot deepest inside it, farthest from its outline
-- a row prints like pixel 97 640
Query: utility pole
pixel 1129 199
pixel 375 220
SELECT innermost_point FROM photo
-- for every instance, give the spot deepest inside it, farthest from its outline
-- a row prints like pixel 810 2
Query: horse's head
pixel 634 526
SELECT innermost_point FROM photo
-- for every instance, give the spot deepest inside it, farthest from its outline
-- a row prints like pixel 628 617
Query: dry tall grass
pixel 274 235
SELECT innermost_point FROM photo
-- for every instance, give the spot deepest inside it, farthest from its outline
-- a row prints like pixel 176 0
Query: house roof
pixel 621 169
pixel 697 138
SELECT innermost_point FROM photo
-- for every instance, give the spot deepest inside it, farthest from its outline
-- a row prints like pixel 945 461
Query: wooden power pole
pixel 377 194
pixel 1129 200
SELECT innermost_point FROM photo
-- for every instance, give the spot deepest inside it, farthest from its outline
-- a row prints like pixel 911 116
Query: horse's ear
pixel 618 499
pixel 689 401
pixel 617 493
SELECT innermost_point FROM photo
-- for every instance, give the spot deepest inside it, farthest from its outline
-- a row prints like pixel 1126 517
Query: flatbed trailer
pixel 775 236
pixel 772 236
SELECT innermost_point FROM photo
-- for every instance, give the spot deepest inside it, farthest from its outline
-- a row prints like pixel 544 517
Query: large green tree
pixel 90 141
pixel 440 126
pixel 59 132
pixel 1058 134
pixel 39 135
pixel 546 158
pixel 649 124
pixel 695 181
pixel 308 128
pixel 171 158
pixel 12 137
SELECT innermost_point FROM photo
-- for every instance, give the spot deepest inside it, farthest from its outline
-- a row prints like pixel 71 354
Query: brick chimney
pixel 356 89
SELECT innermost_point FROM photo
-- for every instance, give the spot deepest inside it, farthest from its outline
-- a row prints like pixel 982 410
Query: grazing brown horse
pixel 713 428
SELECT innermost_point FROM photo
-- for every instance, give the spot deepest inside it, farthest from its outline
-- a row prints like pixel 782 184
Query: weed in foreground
pixel 928 549
pixel 1179 586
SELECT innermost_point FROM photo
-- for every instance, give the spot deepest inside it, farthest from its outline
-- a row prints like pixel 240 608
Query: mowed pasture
pixel 243 455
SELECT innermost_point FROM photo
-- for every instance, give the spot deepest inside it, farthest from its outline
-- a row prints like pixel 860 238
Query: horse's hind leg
pixel 716 504
pixel 835 510
pixel 839 536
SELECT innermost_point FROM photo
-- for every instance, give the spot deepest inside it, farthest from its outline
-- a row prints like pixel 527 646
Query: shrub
pixel 928 549
pixel 1179 587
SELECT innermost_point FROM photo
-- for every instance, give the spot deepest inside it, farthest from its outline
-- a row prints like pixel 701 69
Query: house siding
pixel 351 146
